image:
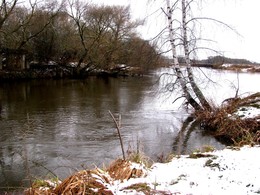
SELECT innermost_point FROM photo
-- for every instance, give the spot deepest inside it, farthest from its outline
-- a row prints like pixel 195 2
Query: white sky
pixel 243 15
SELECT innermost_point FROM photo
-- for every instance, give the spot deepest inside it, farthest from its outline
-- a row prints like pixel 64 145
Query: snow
pixel 248 112
pixel 228 171
pixel 227 65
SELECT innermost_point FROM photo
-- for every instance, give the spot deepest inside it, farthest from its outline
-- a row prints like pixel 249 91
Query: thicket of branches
pixel 75 31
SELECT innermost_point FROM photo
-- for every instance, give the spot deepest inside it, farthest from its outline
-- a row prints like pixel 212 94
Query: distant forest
pixel 219 60
pixel 216 60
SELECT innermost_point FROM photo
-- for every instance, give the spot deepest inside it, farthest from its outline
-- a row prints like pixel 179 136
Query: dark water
pixel 60 126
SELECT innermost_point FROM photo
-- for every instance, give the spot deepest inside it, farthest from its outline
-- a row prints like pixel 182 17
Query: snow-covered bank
pixel 229 171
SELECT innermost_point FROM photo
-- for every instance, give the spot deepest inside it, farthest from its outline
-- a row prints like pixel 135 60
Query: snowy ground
pixel 229 171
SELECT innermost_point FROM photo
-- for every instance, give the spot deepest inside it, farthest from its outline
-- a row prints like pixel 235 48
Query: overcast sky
pixel 243 15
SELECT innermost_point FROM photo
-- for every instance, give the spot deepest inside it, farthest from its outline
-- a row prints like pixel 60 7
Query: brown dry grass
pixel 123 170
pixel 38 191
pixel 93 182
pixel 83 182
pixel 229 128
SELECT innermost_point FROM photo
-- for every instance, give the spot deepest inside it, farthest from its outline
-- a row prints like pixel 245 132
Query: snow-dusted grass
pixel 228 171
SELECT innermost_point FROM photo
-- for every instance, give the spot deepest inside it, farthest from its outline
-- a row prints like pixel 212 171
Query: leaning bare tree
pixel 191 91
pixel 186 37
pixel 179 73
pixel 234 129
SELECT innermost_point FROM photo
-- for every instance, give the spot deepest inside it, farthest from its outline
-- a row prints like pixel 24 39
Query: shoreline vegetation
pixel 204 171
pixel 65 72
pixel 54 70
pixel 62 72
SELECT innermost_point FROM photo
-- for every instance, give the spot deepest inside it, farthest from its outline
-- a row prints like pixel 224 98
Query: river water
pixel 60 126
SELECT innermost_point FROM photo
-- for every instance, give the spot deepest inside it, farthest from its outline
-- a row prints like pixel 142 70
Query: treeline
pixel 214 61
pixel 219 60
pixel 76 33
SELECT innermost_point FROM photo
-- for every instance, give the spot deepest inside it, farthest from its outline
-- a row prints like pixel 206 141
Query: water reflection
pixel 57 126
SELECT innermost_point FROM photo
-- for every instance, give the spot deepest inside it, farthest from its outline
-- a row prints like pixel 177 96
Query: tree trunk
pixel 193 84
pixel 177 69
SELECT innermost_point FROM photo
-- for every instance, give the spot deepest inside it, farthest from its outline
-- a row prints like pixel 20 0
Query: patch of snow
pixel 226 171
pixel 248 112
pixel 244 70
pixel 226 65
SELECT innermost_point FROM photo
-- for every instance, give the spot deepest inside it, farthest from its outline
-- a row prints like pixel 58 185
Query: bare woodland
pixel 76 33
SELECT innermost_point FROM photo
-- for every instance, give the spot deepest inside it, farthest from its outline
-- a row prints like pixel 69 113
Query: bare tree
pixel 26 22
pixel 184 37
pixel 179 74
pixel 6 8
pixel 109 27
pixel 121 28
pixel 217 120
pixel 77 10
pixel 102 30
pixel 204 103
pixel 41 17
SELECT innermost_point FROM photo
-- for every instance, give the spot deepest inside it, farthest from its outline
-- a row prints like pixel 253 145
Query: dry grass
pixel 140 158
pixel 93 182
pixel 229 128
pixel 140 187
pixel 82 182
pixel 124 170
pixel 85 182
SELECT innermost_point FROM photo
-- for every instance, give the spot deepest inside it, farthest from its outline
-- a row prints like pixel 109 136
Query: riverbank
pixel 232 170
pixel 65 72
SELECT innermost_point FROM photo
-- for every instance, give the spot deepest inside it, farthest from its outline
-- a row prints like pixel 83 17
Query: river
pixel 60 126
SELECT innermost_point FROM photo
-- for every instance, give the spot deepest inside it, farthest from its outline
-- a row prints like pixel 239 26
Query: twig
pixel 118 131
